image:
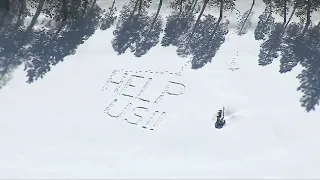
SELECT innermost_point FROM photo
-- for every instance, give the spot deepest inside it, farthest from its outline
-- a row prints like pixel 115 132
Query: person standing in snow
pixel 219 117
pixel 220 120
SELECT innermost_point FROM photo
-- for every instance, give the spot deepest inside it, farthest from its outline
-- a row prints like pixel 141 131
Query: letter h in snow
pixel 112 81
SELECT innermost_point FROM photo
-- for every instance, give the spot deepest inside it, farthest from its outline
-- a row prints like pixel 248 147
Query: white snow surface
pixel 58 127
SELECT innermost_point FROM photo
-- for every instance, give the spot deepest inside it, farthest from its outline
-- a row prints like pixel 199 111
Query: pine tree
pixel 13 38
pixel 310 75
pixel 179 22
pixel 52 46
pixel 294 47
pixel 208 36
pixel 150 34
pixel 109 17
pixel 245 21
pixel 130 26
pixel 272 46
pixel 289 59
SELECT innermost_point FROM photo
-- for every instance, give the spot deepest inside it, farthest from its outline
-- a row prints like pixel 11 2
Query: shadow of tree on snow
pixel 12 38
pixel 293 43
pixel 310 75
pixel 44 42
pixel 40 43
pixel 136 29
pixel 52 46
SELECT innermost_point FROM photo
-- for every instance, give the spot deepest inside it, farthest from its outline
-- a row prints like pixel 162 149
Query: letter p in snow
pixel 169 90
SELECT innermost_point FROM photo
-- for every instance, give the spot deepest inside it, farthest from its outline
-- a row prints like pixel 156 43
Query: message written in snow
pixel 136 98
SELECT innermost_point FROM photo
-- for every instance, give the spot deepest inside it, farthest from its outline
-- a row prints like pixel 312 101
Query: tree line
pixel 39 34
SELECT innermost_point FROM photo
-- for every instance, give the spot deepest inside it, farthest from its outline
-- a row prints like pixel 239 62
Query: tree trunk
pixel 111 8
pixel 284 18
pixel 291 15
pixel 65 10
pixel 246 19
pixel 134 9
pixel 155 18
pixel 65 14
pixel 192 7
pixel 140 7
pixel 139 11
pixel 36 15
pixel 180 6
pixel 92 7
pixel 85 6
pixel 198 20
pixel 23 7
pixel 308 18
pixel 284 13
pixel 189 14
pixel 94 3
pixel 217 24
pixel 113 4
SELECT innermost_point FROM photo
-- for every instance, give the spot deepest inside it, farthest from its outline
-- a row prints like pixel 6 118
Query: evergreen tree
pixel 53 46
pixel 12 37
pixel 310 75
pixel 212 37
pixel 130 26
pixel 150 34
pixel 295 43
pixel 184 47
pixel 245 21
pixel 291 45
pixel 265 23
pixel 305 8
pixel 108 18
pixel 179 22
pixel 272 46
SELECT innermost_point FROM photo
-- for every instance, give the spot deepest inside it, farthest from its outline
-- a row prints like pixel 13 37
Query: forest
pixel 39 34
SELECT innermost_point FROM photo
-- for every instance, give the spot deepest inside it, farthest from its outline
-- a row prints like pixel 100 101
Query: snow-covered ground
pixel 76 123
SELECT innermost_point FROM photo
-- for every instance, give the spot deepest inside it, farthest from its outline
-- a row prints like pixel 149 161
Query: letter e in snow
pixel 128 84
pixel 143 90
